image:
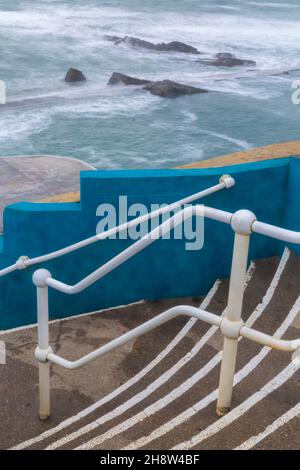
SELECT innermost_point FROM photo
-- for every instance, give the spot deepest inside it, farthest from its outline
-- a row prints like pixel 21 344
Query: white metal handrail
pixel 136 332
pixel 180 217
pixel 164 317
pixel 138 246
pixel 243 222
pixel 226 181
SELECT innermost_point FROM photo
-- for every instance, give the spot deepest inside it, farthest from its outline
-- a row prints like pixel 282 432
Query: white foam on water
pixel 271 4
pixel 17 127
pixel 240 143
pixel 52 36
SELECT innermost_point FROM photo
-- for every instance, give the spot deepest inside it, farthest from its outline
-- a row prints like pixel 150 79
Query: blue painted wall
pixel 165 269
pixel 292 211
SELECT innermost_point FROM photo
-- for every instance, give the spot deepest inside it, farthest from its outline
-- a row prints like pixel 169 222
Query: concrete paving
pixel 31 178
pixel 121 413
pixel 72 391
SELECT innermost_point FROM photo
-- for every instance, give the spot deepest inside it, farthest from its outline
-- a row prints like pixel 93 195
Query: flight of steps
pixel 171 402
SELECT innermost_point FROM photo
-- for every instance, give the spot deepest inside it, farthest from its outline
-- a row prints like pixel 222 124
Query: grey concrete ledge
pixel 36 177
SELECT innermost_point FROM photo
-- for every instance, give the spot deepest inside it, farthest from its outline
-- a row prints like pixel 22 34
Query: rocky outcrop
pixel 177 46
pixel 120 78
pixel 174 46
pixel 163 88
pixel 170 89
pixel 225 59
pixel 74 75
pixel 112 38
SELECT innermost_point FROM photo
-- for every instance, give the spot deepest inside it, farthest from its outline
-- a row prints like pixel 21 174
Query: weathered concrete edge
pixel 268 152
pixel 61 157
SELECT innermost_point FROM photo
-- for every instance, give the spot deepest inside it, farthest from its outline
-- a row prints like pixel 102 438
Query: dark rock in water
pixel 118 78
pixel 170 89
pixel 231 60
pixel 164 88
pixel 224 55
pixel 74 75
pixel 112 38
pixel 135 42
pixel 174 46
pixel 225 59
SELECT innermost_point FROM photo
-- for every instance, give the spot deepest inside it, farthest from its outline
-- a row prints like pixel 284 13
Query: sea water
pixel 127 127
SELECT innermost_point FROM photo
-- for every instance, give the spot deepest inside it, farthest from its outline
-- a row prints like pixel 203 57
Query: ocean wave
pixel 271 4
pixel 17 127
pixel 238 142
pixel 124 126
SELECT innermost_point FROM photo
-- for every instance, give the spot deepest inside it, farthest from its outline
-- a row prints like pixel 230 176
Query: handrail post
pixel 241 223
pixel 43 348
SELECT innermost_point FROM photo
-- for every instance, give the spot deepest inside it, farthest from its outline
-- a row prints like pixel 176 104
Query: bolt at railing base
pixel 222 411
pixel 43 416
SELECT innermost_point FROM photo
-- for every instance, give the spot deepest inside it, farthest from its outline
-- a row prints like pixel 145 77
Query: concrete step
pixel 262 413
pixel 256 377
pixel 281 434
pixel 152 345
pixel 71 391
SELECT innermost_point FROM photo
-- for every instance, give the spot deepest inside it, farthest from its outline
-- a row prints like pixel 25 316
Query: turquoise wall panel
pixel 165 269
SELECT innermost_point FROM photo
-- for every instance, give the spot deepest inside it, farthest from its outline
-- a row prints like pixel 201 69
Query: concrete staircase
pixel 170 402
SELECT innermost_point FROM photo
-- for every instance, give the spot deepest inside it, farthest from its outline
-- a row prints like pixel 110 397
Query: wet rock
pixel 120 78
pixel 74 75
pixel 225 59
pixel 174 46
pixel 177 46
pixel 230 60
pixel 112 38
pixel 163 88
pixel 170 89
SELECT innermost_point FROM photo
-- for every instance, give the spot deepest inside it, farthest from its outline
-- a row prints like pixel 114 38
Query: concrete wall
pixel 165 269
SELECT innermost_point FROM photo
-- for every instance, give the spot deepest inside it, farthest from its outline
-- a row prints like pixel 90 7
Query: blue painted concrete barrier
pixel 165 269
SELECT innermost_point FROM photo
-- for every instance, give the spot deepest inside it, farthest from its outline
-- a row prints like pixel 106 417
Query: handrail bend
pixel 239 220
pixel 132 250
pixel 136 332
pixel 164 317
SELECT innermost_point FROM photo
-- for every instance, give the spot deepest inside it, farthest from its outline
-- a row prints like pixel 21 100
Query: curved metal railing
pixel 226 181
pixel 243 223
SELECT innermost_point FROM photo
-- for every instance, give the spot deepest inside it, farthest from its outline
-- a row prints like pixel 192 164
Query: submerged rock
pixel 110 37
pixel 163 88
pixel 170 89
pixel 225 59
pixel 118 78
pixel 177 46
pixel 74 75
pixel 174 46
